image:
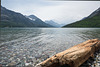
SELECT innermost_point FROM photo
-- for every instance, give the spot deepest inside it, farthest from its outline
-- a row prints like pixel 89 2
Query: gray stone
pixel 12 64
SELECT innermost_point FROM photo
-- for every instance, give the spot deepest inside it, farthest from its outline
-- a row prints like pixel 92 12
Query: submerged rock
pixel 0 65
pixel 12 64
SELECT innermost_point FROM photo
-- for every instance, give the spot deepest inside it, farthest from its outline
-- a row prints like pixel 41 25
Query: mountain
pixel 38 21
pixel 13 19
pixel 50 22
pixel 93 20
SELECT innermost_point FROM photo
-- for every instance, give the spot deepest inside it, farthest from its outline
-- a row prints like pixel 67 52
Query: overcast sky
pixel 63 12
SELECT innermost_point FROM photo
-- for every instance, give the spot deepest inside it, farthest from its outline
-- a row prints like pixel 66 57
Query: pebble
pixel 23 58
pixel 93 62
pixel 12 64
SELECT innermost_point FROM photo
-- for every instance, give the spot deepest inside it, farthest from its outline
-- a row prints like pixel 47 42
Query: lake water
pixel 23 46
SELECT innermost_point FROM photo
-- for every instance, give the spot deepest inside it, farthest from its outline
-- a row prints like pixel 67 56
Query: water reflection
pixel 33 45
pixel 9 34
pixel 90 33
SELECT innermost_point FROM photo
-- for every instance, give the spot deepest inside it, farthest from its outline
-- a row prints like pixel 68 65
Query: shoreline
pixel 93 62
pixel 85 54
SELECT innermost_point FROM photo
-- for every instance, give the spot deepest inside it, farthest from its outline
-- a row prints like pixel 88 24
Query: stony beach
pixel 93 62
pixel 86 54
pixel 31 62
pixel 28 47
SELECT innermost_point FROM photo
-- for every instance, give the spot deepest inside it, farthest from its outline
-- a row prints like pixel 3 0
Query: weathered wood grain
pixel 74 56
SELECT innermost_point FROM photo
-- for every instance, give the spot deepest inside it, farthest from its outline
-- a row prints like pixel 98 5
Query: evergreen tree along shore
pixel 93 21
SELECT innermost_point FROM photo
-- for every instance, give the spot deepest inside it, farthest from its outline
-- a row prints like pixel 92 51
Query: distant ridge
pixel 93 20
pixel 38 21
pixel 13 19
pixel 51 22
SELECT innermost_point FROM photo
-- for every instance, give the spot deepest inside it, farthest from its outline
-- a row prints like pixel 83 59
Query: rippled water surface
pixel 22 46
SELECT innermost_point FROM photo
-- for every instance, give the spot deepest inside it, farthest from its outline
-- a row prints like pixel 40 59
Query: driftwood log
pixel 74 56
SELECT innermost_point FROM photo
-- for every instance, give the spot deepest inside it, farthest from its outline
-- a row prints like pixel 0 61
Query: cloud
pixel 67 12
pixel 59 11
